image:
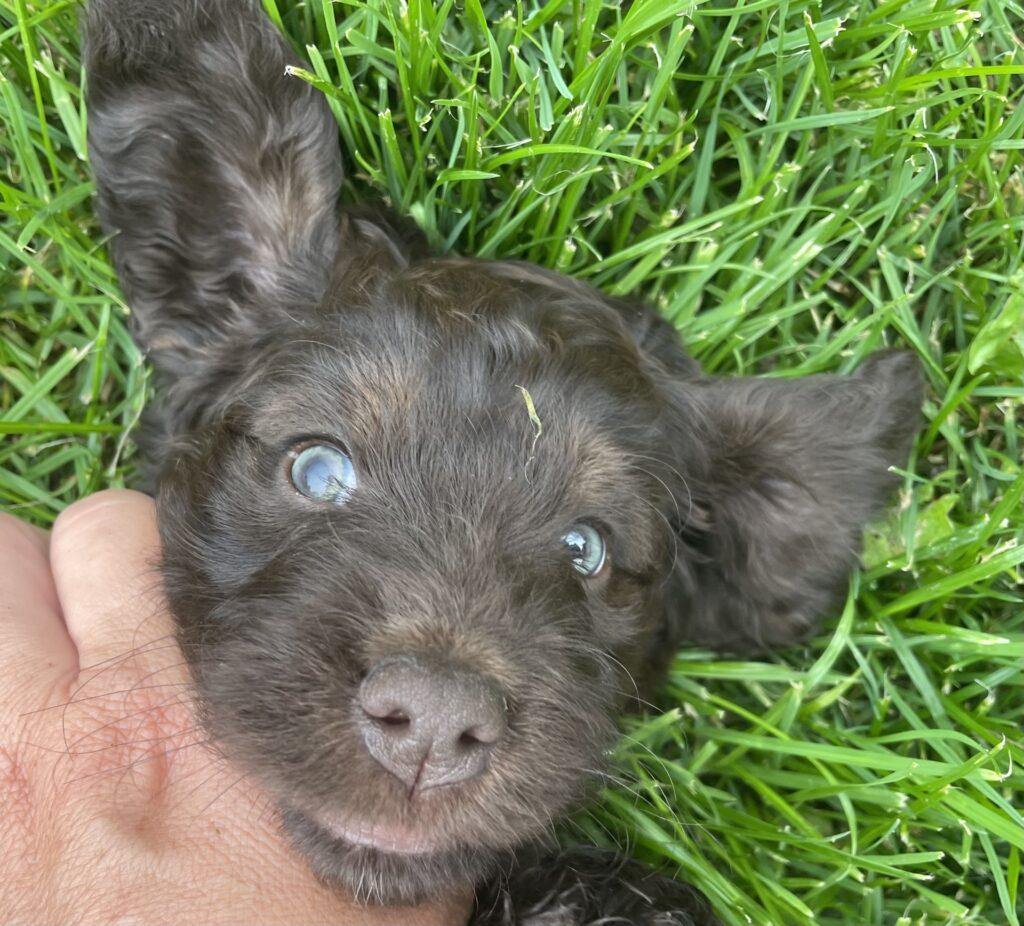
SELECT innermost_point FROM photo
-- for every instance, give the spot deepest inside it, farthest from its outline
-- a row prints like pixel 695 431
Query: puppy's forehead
pixel 388 398
pixel 449 337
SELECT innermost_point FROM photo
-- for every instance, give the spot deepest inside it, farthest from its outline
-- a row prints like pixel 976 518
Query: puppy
pixel 428 520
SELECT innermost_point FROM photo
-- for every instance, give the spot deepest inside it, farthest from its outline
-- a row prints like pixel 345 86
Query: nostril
pixel 393 723
pixel 468 739
pixel 481 735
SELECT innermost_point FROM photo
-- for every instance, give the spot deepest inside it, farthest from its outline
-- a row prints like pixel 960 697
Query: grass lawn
pixel 793 184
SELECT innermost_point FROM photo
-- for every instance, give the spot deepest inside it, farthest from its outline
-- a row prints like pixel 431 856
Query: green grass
pixel 794 184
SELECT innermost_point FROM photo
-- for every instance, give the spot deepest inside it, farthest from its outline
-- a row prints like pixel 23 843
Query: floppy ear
pixel 217 173
pixel 792 471
pixel 776 480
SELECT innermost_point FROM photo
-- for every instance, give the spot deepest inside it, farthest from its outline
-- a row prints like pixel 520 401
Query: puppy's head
pixel 429 523
pixel 430 537
pixel 418 552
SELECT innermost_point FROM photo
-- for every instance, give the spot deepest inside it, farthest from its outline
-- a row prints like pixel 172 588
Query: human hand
pixel 113 806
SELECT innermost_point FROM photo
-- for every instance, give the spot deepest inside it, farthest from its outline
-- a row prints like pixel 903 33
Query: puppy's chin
pixel 386 867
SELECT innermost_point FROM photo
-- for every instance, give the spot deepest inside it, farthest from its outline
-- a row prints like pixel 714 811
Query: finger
pixel 104 554
pixel 34 643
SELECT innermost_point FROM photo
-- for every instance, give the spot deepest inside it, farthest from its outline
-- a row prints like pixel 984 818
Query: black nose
pixel 430 724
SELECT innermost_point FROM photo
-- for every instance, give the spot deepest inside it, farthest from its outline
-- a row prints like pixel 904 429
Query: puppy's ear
pixel 217 173
pixel 791 472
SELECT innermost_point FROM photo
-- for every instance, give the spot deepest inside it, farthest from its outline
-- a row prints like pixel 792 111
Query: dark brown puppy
pixel 426 519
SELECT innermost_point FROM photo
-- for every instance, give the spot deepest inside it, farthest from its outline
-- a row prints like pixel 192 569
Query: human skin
pixel 113 808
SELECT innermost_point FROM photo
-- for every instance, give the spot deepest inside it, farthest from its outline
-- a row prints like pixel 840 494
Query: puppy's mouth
pixel 385 862
pixel 387 838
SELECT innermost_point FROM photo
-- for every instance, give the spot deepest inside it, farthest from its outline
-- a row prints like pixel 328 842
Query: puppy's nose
pixel 428 724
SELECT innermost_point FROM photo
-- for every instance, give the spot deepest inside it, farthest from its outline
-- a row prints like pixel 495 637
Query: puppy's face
pixel 428 523
pixel 433 534
pixel 459 502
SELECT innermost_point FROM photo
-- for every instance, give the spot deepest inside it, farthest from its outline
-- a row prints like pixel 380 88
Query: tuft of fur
pixel 732 508
pixel 589 887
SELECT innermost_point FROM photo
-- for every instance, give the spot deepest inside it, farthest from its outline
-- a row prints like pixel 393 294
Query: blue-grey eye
pixel 587 549
pixel 324 473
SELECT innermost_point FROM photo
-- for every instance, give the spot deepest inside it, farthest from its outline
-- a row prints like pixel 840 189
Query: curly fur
pixel 732 507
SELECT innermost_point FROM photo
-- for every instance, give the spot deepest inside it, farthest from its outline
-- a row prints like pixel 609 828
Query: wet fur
pixel 733 507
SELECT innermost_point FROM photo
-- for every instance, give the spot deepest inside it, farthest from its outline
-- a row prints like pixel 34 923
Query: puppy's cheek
pixel 279 702
pixel 620 614
pixel 564 735
pixel 220 511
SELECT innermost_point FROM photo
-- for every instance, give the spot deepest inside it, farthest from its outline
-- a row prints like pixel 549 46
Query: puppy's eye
pixel 323 472
pixel 587 549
